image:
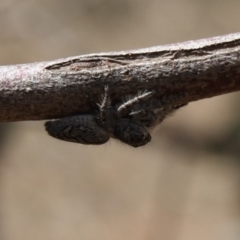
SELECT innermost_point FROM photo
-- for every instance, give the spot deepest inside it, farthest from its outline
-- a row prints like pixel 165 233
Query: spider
pixel 128 121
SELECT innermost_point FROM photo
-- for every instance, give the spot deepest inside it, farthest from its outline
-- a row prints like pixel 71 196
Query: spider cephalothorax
pixel 128 121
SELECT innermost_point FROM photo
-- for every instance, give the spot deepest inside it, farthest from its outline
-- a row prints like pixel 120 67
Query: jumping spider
pixel 127 121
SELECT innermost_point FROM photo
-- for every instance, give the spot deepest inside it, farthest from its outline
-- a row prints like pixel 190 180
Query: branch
pixel 198 69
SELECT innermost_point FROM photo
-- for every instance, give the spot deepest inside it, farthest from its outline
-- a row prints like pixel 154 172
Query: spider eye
pixel 131 133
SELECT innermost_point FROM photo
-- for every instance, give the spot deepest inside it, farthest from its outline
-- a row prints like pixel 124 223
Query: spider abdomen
pixel 79 128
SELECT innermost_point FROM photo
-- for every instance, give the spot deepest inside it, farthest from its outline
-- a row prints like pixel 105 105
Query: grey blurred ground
pixel 182 186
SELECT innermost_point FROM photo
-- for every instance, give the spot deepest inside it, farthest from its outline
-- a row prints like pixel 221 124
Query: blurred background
pixel 184 185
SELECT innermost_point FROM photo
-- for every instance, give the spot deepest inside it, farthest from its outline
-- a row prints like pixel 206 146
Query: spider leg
pixel 154 111
pixel 161 114
pixel 103 106
pixel 133 102
pixel 105 116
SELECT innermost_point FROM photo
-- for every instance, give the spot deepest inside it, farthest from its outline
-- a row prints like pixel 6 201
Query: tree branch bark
pixel 198 69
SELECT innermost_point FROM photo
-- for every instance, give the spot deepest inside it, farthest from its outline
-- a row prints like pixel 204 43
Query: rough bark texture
pixel 197 69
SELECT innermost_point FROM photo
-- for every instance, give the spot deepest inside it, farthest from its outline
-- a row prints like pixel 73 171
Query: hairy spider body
pixel 131 133
pixel 127 121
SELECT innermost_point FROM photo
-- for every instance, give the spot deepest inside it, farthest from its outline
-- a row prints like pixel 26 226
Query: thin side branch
pixel 197 69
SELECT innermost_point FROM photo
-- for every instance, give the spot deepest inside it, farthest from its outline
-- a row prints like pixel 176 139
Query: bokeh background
pixel 184 185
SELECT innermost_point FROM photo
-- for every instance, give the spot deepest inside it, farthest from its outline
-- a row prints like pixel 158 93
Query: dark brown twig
pixel 198 69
